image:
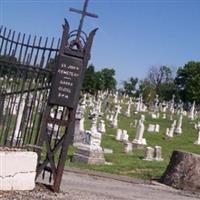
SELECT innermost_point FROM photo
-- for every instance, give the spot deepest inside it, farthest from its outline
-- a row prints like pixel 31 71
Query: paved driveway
pixel 93 186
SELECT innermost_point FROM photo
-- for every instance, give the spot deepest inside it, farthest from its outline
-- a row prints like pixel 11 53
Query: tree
pixel 159 75
pixel 160 81
pixel 147 90
pixel 100 80
pixel 108 79
pixel 129 87
pixel 8 65
pixel 100 84
pixel 188 82
pixel 8 58
pixel 89 83
pixel 167 90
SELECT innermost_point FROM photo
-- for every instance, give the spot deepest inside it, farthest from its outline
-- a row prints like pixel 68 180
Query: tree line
pixel 99 80
pixel 159 80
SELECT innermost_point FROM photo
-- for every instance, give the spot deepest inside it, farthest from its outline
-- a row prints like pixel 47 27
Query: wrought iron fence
pixel 28 115
pixel 26 66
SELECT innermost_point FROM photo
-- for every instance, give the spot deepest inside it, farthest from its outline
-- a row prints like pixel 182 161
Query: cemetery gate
pixel 40 82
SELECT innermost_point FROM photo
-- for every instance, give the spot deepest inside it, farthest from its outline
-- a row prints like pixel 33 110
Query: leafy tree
pixel 89 84
pixel 51 65
pixel 100 80
pixel 147 90
pixel 8 65
pixel 129 87
pixel 8 59
pixel 167 90
pixel 159 75
pixel 108 79
pixel 188 82
pixel 100 83
pixel 159 81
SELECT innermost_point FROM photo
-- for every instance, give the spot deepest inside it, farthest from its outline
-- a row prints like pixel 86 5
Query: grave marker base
pixel 88 156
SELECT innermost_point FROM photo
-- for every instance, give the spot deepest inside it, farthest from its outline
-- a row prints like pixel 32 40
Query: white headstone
pixel 164 116
pixel 192 111
pixel 128 147
pixel 128 112
pixel 198 132
pixel 135 124
pixel 102 126
pixel 149 154
pixel 151 128
pixel 118 135
pixel 158 153
pixel 153 116
pixel 167 133
pixel 157 128
pixel 139 134
pixel 124 136
pixel 17 133
pixel 178 129
pixel 114 122
pixel 171 130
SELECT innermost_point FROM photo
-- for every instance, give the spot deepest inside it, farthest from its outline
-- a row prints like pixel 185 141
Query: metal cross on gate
pixel 83 13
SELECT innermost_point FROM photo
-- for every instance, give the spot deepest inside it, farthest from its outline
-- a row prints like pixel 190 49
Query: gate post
pixel 65 89
pixel 72 101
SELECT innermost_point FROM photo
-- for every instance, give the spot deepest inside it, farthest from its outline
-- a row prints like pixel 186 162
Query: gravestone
pixel 139 141
pixel 156 102
pixel 17 134
pixel 90 152
pixel 114 122
pixel 170 132
pixel 164 116
pixel 157 128
pixel 149 154
pixel 128 111
pixel 192 112
pixel 119 134
pixel 151 128
pixel 171 107
pixel 198 137
pixel 158 153
pixel 124 136
pixel 178 129
pixel 102 126
pixel 128 147
pixel 79 124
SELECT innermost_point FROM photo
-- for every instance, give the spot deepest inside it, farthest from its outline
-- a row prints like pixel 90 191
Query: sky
pixel 133 34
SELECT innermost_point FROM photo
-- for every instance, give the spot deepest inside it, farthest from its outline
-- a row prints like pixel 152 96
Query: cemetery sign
pixel 66 80
pixel 73 59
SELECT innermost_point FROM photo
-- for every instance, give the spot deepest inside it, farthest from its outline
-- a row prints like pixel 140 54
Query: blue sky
pixel 133 34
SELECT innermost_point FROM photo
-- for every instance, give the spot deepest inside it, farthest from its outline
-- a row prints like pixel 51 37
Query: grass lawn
pixel 132 164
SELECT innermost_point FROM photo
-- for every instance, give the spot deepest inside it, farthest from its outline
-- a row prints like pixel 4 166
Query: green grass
pixel 132 164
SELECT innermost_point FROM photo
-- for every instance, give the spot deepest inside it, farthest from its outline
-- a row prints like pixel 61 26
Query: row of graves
pixel 108 111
